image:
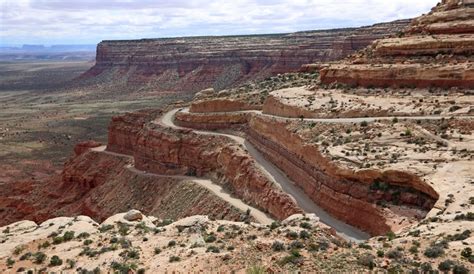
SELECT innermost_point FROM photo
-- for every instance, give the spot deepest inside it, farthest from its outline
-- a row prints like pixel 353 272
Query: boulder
pixel 133 216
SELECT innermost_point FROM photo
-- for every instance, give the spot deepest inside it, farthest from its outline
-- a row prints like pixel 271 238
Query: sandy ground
pixel 336 102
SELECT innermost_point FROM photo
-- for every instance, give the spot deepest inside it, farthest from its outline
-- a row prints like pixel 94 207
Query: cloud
pixel 90 21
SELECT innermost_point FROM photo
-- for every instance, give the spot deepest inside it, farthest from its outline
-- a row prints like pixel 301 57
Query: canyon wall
pixel 350 196
pixel 345 194
pixel 99 184
pixel 168 151
pixel 435 51
pixel 195 63
pixel 182 152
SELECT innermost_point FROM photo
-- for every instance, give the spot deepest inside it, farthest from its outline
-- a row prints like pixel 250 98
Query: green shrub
pixel 413 250
pixel 174 259
pixel 83 235
pixel 294 258
pixel 426 267
pixel 68 235
pixel 165 222
pixel 460 269
pixel 434 251
pixel 123 268
pixel 157 250
pixel 292 235
pixel 44 245
pixel 256 269
pixel 105 228
pixel 394 254
pixel 380 253
pixel 365 246
pixel 55 261
pixel 71 263
pixel 10 262
pixel 274 225
pixel 304 234
pixel 296 245
pixel 213 249
pixel 210 238
pixel 58 240
pixel 414 233
pixel 123 229
pixel 466 252
pixel 18 249
pixel 460 236
pixel 391 236
pixel 305 225
pixel 278 246
pixel 367 260
pixel 25 256
pixel 39 257
pixel 446 265
pixel 131 254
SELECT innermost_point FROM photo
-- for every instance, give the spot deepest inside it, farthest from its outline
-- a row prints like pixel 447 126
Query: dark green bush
pixel 55 261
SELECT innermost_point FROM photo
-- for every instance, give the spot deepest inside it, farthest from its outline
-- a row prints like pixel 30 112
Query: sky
pixel 90 21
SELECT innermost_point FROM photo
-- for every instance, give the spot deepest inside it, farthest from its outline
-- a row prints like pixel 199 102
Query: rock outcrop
pixel 100 183
pixel 170 151
pixel 196 63
pixel 346 194
pixel 435 51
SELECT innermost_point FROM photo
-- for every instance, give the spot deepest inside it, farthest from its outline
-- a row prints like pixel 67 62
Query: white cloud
pixel 89 21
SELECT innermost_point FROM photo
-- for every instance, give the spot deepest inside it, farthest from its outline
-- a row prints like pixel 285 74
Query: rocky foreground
pixel 133 242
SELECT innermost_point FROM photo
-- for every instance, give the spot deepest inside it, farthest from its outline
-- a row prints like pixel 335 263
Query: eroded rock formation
pixel 435 51
pixel 193 64
pixel 348 195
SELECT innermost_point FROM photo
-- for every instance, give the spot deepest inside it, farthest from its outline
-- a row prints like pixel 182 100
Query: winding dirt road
pixel 259 215
pixel 280 179
pixel 276 175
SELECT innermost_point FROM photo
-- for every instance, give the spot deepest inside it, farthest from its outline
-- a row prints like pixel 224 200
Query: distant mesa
pixel 195 63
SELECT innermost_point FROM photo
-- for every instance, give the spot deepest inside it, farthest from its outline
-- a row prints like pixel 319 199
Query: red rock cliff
pixel 192 64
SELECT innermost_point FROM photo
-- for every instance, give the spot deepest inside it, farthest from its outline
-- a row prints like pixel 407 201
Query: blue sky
pixel 90 21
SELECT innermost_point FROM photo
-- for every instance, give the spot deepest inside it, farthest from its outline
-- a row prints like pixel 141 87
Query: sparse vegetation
pixel 174 259
pixel 278 246
pixel 55 261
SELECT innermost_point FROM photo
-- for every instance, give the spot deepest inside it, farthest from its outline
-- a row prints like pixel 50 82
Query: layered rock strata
pixel 435 51
pixel 168 151
pixel 100 183
pixel 343 193
pixel 196 63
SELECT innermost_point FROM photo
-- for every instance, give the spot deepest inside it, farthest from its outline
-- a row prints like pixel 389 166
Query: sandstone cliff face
pixel 99 183
pixel 167 151
pixel 345 194
pixel 125 129
pixel 182 152
pixel 221 105
pixel 435 51
pixel 193 64
pixel 214 121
